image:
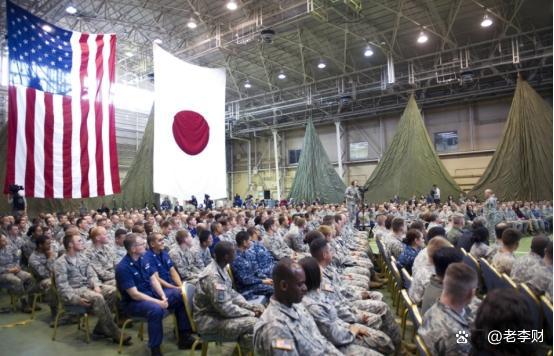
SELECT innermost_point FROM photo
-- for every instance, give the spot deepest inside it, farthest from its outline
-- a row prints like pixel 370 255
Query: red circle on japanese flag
pixel 191 131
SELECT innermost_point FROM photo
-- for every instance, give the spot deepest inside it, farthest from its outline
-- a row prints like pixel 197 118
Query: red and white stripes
pixel 63 146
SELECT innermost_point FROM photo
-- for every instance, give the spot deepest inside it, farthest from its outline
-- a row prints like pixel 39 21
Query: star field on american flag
pixel 40 53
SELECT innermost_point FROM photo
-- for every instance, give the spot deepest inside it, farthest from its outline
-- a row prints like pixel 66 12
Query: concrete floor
pixel 22 336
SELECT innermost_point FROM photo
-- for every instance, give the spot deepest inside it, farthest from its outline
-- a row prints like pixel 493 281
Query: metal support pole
pixel 339 149
pixel 471 128
pixel 277 179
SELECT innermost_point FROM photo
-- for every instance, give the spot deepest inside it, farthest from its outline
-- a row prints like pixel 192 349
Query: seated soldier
pixel 526 266
pixel 202 250
pixel 349 338
pixel 41 265
pixel 29 244
pixel 541 281
pixel 480 239
pixel 183 257
pixel 413 244
pixel 264 259
pixel 101 256
pixel 505 258
pixel 143 296
pixel 250 282
pixel 447 319
pixel 119 247
pixel 274 242
pixel 17 281
pixel 393 241
pixel 343 293
pixel 498 231
pixel 502 313
pixel 286 327
pixel 159 259
pixel 218 308
pixel 78 284
pixel 295 237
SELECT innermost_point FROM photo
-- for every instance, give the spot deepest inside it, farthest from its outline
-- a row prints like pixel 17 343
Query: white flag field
pixel 189 129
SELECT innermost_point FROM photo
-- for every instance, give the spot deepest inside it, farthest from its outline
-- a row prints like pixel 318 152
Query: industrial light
pixel 247 84
pixel 486 21
pixel 158 41
pixel 368 52
pixel 129 54
pixel 281 75
pixel 232 5
pixel 71 10
pixel 47 28
pixel 422 37
pixel 191 24
pixel 321 65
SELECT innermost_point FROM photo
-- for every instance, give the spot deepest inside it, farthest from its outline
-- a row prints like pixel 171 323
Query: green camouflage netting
pixel 137 188
pixel 521 167
pixel 316 177
pixel 410 165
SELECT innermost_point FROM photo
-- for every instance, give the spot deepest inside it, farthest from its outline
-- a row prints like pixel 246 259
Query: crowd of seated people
pixel 306 264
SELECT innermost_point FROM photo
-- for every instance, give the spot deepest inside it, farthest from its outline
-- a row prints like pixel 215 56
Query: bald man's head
pixel 289 281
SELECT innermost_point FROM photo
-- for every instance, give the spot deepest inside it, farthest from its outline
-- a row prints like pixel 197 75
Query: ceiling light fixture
pixel 191 24
pixel 281 75
pixel 129 54
pixel 247 84
pixel 232 5
pixel 71 10
pixel 321 65
pixel 486 22
pixel 368 52
pixel 422 38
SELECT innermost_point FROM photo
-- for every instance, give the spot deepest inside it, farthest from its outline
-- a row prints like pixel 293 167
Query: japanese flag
pixel 189 129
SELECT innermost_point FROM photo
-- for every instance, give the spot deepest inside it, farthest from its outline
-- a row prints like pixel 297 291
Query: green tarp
pixel 410 165
pixel 136 188
pixel 315 176
pixel 521 167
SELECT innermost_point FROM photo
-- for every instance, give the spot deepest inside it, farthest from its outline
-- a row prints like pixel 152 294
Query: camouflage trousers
pixel 357 350
pixel 241 329
pixel 376 340
pixel 102 305
pixel 19 283
pixel 389 325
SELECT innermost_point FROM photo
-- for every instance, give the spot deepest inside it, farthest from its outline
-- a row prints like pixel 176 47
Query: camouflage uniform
pixel 19 283
pixel 41 266
pixel 420 280
pixel 525 267
pixel 352 195
pixel 321 306
pixel 263 258
pixel 284 330
pixel 203 257
pixel 220 310
pixel 77 279
pixel 491 214
pixel 453 235
pixel 493 250
pixel 503 262
pixel 541 281
pixel 248 279
pixel 439 328
pixel 186 264
pixel 393 246
pixel 103 262
pixel 351 296
pixel 295 240
pixel 119 252
pixel 277 246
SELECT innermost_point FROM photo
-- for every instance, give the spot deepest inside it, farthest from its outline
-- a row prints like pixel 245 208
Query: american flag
pixel 61 117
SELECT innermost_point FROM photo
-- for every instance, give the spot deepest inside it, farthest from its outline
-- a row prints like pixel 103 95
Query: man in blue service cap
pixel 143 295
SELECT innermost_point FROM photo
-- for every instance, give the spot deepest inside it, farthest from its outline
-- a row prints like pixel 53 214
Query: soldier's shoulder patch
pixel 220 286
pixel 283 344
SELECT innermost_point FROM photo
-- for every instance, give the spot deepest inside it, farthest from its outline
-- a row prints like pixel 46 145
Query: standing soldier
pixel 491 213
pixel 352 195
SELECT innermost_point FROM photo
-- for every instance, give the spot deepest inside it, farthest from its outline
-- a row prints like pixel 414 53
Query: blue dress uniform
pixel 192 231
pixel 215 240
pixel 137 274
pixel 248 278
pixel 161 263
pixel 263 258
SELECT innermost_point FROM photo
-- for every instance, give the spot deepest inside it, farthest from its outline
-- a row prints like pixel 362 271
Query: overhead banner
pixel 189 129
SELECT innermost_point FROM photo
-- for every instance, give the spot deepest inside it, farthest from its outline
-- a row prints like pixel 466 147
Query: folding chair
pixel 491 277
pixel 397 283
pixel 406 279
pixel 415 317
pixel 422 349
pixel 188 296
pixel 546 305
pixel 407 304
pixel 533 305
pixel 64 308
